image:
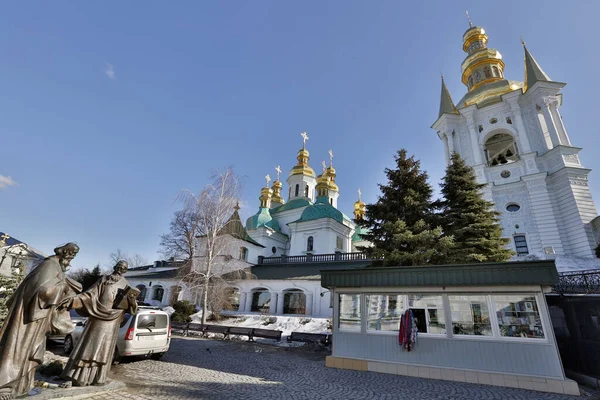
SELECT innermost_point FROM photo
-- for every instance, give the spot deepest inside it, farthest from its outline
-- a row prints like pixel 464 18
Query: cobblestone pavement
pixel 216 369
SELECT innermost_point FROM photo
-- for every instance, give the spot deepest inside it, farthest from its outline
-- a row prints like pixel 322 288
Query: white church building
pixel 513 135
pixel 510 132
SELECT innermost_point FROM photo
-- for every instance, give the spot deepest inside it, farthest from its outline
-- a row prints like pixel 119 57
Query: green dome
pixel 357 232
pixel 262 218
pixel 290 205
pixel 321 209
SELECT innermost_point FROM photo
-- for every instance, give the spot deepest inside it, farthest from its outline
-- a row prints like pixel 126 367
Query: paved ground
pixel 217 369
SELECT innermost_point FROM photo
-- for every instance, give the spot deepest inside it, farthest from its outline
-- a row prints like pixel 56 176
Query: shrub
pixel 304 321
pixel 183 310
pixel 269 320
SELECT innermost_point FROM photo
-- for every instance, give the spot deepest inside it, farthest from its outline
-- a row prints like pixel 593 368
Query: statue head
pixel 121 267
pixel 65 254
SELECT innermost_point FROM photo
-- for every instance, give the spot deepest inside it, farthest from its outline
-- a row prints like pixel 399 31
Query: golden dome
pixel 359 207
pixel 277 192
pixel 331 175
pixel 302 168
pixel 265 196
pixel 322 185
pixel 482 65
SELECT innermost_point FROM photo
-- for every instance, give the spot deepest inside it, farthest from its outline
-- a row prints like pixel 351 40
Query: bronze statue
pixel 104 303
pixel 23 335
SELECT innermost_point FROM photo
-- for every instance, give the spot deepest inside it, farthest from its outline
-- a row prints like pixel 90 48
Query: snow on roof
pixel 566 263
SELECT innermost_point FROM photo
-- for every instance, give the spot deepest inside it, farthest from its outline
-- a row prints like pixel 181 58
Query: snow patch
pixel 566 263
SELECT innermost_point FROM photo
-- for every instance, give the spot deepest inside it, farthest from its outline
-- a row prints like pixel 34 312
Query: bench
pixel 267 334
pixel 179 326
pixel 224 330
pixel 236 330
pixel 304 337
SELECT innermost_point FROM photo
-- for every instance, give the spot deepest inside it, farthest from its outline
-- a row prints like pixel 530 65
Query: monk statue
pixel 104 304
pixel 30 314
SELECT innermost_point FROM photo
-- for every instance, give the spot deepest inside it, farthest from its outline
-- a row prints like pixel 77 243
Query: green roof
pixel 358 230
pixel 290 205
pixel 235 228
pixel 305 271
pixel 489 274
pixel 262 218
pixel 321 209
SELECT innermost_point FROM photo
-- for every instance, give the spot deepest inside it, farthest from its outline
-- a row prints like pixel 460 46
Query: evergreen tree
pixel 469 218
pixel 86 277
pixel 400 223
pixel 8 286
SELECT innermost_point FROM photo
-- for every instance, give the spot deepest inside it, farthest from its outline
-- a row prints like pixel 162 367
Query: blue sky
pixel 108 109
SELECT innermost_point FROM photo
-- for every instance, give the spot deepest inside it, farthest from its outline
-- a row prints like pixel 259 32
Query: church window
pixel 470 82
pixel 508 120
pixel 505 174
pixel 339 243
pixel 158 293
pixel 513 207
pixel 496 71
pixel 294 302
pixel 493 120
pixel 261 300
pixel 243 254
pixel 501 148
pixel 309 243
pixel 480 128
pixel 273 249
pixel 331 201
pixel 488 72
pixel 521 245
pixel 306 191
pixel 477 76
pixel 143 291
pixel 297 190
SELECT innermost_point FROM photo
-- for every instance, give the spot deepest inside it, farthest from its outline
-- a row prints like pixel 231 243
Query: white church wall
pixel 270 239
pixel 325 233
pixel 285 217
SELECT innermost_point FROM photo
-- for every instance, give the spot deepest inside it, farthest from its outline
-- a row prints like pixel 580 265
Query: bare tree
pixel 179 242
pixel 134 261
pixel 211 211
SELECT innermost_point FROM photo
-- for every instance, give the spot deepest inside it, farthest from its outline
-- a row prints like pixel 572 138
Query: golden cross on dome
pixel 237 205
pixel 469 18
pixel 278 169
pixel 522 41
pixel 268 178
pixel 330 157
pixel 359 194
pixel 324 165
pixel 304 139
pixel 4 238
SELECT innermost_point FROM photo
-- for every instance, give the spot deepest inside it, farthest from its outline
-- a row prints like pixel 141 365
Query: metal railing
pixel 308 258
pixel 582 282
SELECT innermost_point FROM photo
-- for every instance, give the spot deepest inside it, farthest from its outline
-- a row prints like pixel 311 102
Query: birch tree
pixel 211 211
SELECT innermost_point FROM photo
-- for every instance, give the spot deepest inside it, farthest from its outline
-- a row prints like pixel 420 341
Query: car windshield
pixel 152 321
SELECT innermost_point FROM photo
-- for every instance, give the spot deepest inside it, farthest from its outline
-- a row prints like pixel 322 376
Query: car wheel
pixel 68 344
pixel 156 356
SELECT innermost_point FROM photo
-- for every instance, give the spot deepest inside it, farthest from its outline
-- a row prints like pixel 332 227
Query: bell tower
pixel 512 134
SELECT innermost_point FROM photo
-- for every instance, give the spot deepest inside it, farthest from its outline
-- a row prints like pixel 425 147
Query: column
pixel 550 123
pixel 525 146
pixel 560 127
pixel 309 303
pixel 281 297
pixel 446 150
pixel 274 303
pixel 248 305
pixel 243 296
pixel 474 139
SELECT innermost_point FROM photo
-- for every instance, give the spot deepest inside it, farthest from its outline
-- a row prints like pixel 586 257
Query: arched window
pixel 143 291
pixel 243 254
pixel 306 191
pixel 309 244
pixel 470 82
pixel 261 300
pixel 331 201
pixel 501 148
pixel 294 302
pixel 158 293
pixel 496 71
pixel 297 190
pixel 233 299
pixel 488 72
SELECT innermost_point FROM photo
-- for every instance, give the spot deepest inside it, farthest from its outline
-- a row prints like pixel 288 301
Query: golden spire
pixel 482 64
pixel 277 188
pixel 302 168
pixel 469 18
pixel 359 207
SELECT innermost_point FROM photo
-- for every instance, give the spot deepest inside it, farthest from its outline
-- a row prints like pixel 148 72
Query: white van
pixel 148 333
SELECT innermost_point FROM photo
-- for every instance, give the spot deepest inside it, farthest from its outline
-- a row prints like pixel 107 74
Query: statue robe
pixel 92 356
pixel 23 335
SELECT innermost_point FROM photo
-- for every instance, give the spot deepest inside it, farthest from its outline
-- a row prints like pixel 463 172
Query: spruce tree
pixel 399 224
pixel 469 218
